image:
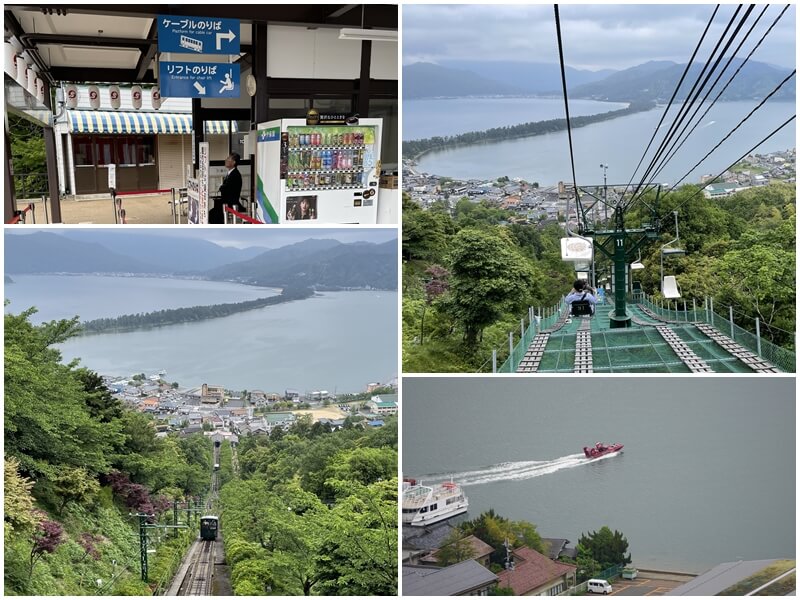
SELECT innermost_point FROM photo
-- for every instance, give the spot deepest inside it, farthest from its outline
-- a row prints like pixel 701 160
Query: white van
pixel 598 586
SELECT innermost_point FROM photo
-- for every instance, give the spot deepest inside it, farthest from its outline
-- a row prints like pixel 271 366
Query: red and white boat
pixel 601 449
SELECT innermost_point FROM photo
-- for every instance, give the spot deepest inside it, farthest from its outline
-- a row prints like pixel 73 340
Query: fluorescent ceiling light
pixel 374 35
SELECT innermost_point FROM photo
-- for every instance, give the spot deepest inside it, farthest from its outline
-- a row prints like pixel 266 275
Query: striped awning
pixel 98 121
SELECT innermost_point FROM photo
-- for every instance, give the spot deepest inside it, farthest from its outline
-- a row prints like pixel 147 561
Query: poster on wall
pixel 193 196
pixel 202 181
pixel 301 208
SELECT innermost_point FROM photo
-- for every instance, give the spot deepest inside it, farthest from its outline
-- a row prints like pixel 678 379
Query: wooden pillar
pixel 261 100
pixel 363 84
pixel 9 196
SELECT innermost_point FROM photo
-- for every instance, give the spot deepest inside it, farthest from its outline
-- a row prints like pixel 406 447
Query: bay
pixel 430 117
pixel 619 143
pixel 707 474
pixel 337 341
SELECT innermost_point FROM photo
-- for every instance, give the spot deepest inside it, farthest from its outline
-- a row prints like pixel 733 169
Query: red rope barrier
pixel 143 192
pixel 20 214
pixel 243 216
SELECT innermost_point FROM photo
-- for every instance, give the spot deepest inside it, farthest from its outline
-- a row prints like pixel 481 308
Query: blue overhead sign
pixel 200 35
pixel 198 80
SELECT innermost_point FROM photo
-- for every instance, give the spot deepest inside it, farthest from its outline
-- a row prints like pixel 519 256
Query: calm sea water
pixel 339 341
pixel 707 474
pixel 618 143
pixel 447 116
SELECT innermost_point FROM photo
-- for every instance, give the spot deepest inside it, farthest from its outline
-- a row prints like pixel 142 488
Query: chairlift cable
pixel 674 93
pixel 732 131
pixel 699 191
pixel 675 148
pixel 566 106
pixel 693 95
pixel 747 58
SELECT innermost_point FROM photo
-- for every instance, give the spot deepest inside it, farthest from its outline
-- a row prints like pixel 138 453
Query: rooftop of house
pixel 479 549
pixel 386 398
pixel 531 571
pixel 279 417
pixel 558 547
pixel 454 580
pixel 720 578
pixel 426 538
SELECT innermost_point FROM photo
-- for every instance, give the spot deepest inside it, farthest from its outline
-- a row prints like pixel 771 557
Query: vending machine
pixel 319 173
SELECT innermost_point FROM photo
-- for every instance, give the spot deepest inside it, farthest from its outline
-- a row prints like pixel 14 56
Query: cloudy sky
pixel 597 36
pixel 245 237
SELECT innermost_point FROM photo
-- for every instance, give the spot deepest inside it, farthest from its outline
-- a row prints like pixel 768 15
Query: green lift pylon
pixel 619 245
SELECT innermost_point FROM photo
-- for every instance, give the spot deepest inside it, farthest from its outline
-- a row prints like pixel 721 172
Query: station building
pixel 295 55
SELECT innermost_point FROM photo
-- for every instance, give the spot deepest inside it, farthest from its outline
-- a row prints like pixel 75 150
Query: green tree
pixel 424 236
pixel 18 515
pixel 495 530
pixel 606 547
pixel 455 548
pixel 488 278
pixel 44 440
pixel 74 484
pixel 587 566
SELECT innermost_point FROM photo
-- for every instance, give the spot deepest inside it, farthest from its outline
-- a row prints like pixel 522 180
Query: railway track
pixel 200 575
pixel 198 566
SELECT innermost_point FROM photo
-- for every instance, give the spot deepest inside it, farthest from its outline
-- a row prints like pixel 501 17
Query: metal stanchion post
pixel 730 314
pixel 758 336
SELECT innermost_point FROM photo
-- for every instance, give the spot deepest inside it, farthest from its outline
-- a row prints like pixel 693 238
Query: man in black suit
pixel 229 191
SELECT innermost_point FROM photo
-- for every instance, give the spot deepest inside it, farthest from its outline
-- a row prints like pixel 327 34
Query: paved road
pixel 643 587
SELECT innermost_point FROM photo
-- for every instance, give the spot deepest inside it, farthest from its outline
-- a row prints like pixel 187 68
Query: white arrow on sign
pixel 230 36
pixel 199 88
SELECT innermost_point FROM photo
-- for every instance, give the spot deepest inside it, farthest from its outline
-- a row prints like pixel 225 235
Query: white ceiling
pixel 81 24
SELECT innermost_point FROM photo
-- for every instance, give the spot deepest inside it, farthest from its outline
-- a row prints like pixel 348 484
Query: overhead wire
pixel 732 131
pixel 689 97
pixel 694 95
pixel 566 101
pixel 674 93
pixel 708 182
pixel 681 138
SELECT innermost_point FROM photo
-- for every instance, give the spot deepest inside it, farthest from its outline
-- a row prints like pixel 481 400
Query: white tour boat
pixel 427 504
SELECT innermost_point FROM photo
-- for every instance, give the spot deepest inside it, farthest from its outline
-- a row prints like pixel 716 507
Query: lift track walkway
pixel 652 345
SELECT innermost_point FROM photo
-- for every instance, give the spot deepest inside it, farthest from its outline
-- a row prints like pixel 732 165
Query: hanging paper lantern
pixel 136 96
pixel 94 97
pixel 71 96
pixel 114 95
pixel 155 97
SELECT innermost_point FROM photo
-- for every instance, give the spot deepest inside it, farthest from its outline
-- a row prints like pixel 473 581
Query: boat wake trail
pixel 515 471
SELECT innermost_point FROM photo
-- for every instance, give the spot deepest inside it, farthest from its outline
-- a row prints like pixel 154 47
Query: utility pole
pixel 143 542
pixel 605 190
pixel 618 244
pixel 509 562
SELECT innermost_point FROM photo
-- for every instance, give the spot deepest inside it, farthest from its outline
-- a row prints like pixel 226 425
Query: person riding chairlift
pixel 581 299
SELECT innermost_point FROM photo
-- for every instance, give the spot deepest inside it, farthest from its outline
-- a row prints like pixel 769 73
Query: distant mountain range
pixel 530 77
pixel 657 80
pixel 651 81
pixel 321 264
pixel 426 80
pixel 45 252
pixel 163 253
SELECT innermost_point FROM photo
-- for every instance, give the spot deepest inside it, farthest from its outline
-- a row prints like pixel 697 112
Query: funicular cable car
pixel 208 527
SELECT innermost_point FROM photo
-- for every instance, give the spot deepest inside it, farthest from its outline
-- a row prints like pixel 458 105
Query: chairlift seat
pixel 669 287
pixel 581 308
